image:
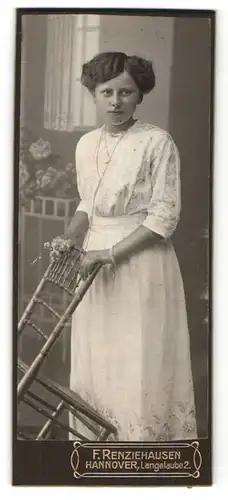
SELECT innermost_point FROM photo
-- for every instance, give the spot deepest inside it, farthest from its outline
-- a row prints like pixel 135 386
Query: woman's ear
pixel 140 98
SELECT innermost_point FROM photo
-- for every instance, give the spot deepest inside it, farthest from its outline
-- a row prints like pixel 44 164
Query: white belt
pixel 124 221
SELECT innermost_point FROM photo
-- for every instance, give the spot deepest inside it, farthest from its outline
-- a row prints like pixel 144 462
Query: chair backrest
pixel 37 391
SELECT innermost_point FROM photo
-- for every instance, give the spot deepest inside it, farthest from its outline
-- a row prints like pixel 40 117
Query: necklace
pixel 110 155
pixel 101 177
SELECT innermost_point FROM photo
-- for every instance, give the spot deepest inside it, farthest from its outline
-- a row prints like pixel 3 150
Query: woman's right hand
pixel 58 246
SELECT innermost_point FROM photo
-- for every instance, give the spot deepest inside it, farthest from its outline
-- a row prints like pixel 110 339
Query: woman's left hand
pixel 91 259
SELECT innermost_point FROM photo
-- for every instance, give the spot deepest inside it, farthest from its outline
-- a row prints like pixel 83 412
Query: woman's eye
pixel 126 92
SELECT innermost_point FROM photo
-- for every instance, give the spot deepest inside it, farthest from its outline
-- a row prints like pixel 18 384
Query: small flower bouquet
pixel 41 172
pixel 58 247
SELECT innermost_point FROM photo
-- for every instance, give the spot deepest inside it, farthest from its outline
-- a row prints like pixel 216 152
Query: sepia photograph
pixel 113 248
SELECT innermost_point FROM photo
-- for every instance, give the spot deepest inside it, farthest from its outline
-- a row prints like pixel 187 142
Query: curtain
pixel 71 40
pixel 23 70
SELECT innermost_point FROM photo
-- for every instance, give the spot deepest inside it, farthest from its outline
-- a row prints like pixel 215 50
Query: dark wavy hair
pixel 108 65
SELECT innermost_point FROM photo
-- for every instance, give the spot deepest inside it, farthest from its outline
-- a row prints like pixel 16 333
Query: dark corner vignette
pixel 53 459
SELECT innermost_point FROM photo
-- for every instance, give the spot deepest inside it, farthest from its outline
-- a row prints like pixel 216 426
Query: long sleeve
pixel 164 207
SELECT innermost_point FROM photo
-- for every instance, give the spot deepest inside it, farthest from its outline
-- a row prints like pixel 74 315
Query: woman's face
pixel 117 99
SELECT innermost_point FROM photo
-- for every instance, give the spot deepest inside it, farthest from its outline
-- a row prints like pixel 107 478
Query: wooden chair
pixel 45 396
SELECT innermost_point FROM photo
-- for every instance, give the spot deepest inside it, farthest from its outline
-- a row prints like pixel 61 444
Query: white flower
pixel 40 149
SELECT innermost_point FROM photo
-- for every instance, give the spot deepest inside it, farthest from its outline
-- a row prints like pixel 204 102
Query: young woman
pixel 130 351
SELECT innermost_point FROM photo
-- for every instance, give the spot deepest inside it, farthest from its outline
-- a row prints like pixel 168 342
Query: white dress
pixel 130 352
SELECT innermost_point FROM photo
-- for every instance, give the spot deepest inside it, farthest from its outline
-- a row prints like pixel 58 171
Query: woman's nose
pixel 115 99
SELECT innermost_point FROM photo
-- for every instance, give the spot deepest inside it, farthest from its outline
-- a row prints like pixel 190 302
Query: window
pixel 71 40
